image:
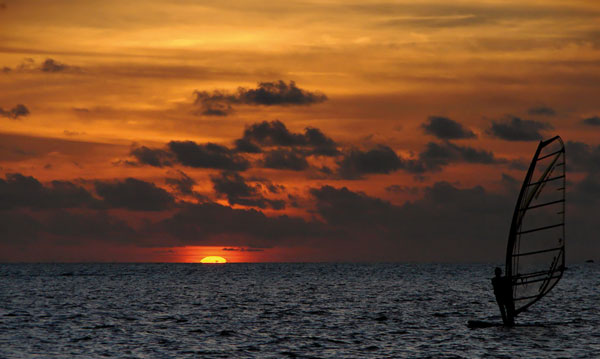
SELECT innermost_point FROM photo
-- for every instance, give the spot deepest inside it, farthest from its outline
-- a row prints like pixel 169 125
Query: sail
pixel 535 257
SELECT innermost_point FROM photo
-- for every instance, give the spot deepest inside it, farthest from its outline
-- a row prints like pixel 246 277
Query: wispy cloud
pixel 14 113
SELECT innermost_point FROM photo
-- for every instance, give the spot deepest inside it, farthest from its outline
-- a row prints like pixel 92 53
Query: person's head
pixel 498 271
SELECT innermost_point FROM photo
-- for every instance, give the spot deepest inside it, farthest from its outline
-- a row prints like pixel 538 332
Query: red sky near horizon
pixel 163 131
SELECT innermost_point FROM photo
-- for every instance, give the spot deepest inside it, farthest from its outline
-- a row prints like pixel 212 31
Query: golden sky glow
pixel 100 79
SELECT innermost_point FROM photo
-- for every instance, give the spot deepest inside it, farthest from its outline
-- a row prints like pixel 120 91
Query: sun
pixel 213 259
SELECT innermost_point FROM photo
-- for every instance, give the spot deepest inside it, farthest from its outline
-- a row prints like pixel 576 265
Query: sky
pixel 296 131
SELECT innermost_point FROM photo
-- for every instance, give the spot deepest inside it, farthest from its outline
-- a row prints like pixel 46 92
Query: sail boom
pixel 529 297
pixel 530 275
pixel 538 280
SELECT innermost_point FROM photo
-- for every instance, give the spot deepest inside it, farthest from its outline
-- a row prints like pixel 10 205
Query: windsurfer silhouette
pixel 503 292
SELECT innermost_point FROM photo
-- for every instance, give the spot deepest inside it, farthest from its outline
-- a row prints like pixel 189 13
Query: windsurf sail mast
pixel 535 255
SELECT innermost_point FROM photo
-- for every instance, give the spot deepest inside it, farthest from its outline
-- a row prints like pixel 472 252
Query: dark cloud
pixel 519 164
pixel 182 183
pixel 587 191
pixel 356 163
pixel 279 93
pixel 18 191
pixel 96 225
pixel 152 157
pixel 541 111
pixel 219 103
pixel 125 163
pixel 516 129
pixel 274 188
pixel 285 159
pixel 510 181
pixel 354 209
pixel 460 224
pixel 319 142
pixel 213 223
pixel 437 155
pixel 275 133
pixel 582 157
pixel 134 194
pixel 407 231
pixel 268 185
pixel 470 225
pixel 232 185
pixel 243 249
pixel 583 200
pixel 18 228
pixel 383 160
pixel 209 155
pixel 395 188
pixel 65 194
pixel 238 191
pixel 592 121
pixel 344 207
pixel 64 227
pixel 293 201
pixel 246 146
pixel 51 65
pixel 446 129
pixel 288 150
pixel 14 113
pixel 326 170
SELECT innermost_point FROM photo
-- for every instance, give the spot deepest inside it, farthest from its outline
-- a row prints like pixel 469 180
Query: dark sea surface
pixel 285 310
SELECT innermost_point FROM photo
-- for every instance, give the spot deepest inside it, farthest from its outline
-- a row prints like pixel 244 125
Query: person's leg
pixel 510 313
pixel 503 313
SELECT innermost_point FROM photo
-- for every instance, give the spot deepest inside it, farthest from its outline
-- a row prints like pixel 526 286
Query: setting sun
pixel 213 259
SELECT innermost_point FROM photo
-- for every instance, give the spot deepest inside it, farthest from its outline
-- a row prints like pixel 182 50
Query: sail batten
pixel 537 252
pixel 535 255
pixel 542 205
pixel 549 155
pixel 546 180
pixel 541 228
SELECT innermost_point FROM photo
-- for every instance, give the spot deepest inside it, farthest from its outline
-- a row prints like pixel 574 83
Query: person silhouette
pixel 503 293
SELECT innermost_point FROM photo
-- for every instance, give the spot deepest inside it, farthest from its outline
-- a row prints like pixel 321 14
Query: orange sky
pixel 100 80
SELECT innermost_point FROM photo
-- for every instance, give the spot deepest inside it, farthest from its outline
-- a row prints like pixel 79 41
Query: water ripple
pixel 284 310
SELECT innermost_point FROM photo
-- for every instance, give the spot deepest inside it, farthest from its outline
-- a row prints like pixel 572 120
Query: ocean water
pixel 285 311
